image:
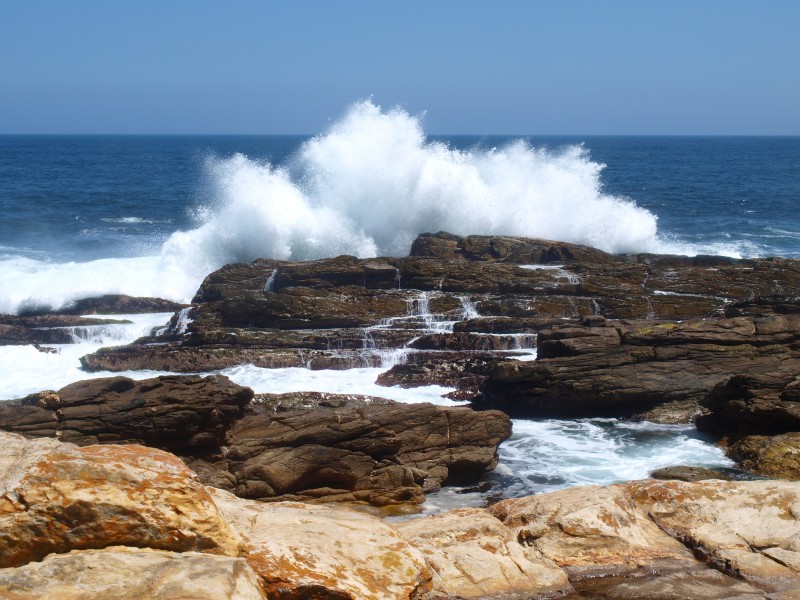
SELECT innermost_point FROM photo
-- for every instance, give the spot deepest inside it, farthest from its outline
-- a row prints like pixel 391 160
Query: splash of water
pixel 366 187
pixel 373 182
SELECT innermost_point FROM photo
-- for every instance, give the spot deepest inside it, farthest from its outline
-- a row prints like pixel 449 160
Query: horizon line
pixel 427 135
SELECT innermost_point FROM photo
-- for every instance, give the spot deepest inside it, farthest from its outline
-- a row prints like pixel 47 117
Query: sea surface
pixel 152 215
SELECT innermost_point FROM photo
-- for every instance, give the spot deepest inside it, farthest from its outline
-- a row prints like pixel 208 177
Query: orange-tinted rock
pixel 312 551
pixel 56 497
pixel 125 573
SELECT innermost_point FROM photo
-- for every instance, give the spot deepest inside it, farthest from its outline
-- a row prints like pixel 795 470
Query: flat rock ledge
pixel 133 522
pixel 304 446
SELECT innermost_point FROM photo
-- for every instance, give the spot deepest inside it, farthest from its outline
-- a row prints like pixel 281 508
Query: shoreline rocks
pixel 105 520
pixel 304 446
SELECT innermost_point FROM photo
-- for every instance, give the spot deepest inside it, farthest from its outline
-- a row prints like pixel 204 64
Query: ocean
pixel 152 215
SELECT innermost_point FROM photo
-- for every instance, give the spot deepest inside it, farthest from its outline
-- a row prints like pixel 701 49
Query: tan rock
pixel 124 573
pixel 748 528
pixel 593 531
pixel 473 555
pixel 55 497
pixel 304 550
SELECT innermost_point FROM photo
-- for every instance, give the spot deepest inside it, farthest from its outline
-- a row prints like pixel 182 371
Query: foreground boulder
pixel 304 551
pixel 56 497
pixel 127 573
pixel 473 555
pixel 746 530
pixel 112 521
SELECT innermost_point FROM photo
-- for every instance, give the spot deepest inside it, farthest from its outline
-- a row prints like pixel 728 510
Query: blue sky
pixel 513 67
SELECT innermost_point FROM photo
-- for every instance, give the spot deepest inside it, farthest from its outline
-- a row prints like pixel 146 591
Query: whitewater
pixel 366 187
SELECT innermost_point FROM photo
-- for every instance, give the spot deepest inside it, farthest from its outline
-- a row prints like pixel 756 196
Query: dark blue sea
pixel 151 215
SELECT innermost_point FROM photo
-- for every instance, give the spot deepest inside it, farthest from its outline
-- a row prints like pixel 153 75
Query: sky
pixel 517 67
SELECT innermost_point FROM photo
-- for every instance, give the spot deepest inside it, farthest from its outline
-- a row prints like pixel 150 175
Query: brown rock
pixel 55 497
pixel 118 304
pixel 685 473
pixel 187 414
pixel 774 456
pixel 326 447
pixel 625 368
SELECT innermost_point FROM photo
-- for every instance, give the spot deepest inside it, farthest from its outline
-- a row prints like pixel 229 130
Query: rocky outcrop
pixel 56 497
pixel 186 415
pixel 340 310
pixel 305 446
pixel 745 530
pixel 772 456
pixel 303 551
pixel 621 368
pixel 325 447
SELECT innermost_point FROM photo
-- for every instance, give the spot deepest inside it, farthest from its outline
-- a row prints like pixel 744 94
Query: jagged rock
pixel 749 530
pixel 622 368
pixel 326 447
pixel 125 573
pixel 56 497
pixel 504 248
pixel 186 415
pixel 312 551
pixel 473 555
pixel 593 532
pixel 774 456
pixel 119 304
pixel 464 371
pixel 750 402
pixel 45 329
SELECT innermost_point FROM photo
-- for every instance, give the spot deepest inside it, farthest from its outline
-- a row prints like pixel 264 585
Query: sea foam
pixel 368 186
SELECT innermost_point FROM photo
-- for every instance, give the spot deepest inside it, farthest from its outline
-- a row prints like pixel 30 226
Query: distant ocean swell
pixel 366 187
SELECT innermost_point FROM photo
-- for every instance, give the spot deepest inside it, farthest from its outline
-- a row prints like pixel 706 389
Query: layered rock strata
pixel 314 447
pixel 599 367
pixel 335 313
